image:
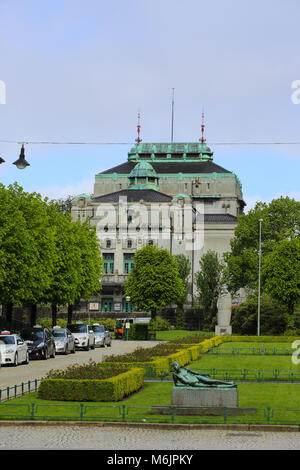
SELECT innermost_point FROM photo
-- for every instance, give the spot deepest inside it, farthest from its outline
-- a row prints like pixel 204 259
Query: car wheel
pixel 16 362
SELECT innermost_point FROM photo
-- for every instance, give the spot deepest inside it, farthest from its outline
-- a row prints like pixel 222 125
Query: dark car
pixel 40 342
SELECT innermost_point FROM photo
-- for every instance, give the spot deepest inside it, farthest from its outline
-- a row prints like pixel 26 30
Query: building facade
pixel 169 194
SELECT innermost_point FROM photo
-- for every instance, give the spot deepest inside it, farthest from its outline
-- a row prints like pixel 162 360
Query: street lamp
pixel 127 300
pixel 259 265
pixel 21 163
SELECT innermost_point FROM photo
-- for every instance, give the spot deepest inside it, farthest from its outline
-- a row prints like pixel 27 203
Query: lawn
pixel 171 335
pixel 272 400
pixel 137 407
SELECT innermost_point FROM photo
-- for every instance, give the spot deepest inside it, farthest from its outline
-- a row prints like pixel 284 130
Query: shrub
pixel 115 384
pixel 273 317
pixel 137 331
pixel 159 324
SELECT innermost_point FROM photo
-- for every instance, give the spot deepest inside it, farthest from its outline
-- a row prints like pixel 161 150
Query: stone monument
pixel 224 306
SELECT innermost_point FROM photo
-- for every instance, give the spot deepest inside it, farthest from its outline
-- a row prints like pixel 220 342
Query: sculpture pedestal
pixel 204 397
pixel 223 330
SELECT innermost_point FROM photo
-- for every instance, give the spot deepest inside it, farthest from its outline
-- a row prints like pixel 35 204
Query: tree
pixel 91 263
pixel 281 221
pixel 154 281
pixel 64 205
pixel 184 269
pixel 281 275
pixel 26 247
pixel 208 285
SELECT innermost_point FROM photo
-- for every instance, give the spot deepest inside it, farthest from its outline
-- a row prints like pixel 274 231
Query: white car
pixel 83 334
pixel 13 349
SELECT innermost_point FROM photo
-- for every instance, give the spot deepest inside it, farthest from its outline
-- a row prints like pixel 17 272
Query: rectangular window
pixel 128 263
pixel 108 263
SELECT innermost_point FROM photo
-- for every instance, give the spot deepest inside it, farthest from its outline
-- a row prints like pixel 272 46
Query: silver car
pixel 102 336
pixel 64 340
pixel 13 349
pixel 84 335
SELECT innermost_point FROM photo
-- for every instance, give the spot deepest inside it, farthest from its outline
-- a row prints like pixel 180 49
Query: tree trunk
pixel 70 313
pixel 8 315
pixel 54 314
pixel 33 314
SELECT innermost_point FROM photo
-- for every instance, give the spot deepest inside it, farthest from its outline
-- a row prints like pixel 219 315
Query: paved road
pixel 80 437
pixel 37 368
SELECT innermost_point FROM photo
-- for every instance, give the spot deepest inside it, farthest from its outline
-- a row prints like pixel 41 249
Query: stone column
pixel 224 314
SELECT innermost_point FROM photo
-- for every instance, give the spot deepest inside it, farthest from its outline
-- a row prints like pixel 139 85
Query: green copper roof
pixel 143 169
pixel 174 150
pixel 143 176
pixel 82 195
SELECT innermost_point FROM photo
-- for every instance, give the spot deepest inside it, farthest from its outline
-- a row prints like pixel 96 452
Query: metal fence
pixel 254 351
pixel 242 375
pixel 144 414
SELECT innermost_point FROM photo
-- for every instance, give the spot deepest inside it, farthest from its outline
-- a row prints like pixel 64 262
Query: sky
pixel 80 71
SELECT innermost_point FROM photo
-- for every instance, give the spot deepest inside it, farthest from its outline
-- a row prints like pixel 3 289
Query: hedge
pixel 112 389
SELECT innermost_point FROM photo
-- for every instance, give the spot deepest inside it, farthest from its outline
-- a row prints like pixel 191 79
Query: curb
pixel 161 426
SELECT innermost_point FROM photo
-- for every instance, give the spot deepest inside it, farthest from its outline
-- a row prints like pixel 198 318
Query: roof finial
pixel 138 140
pixel 202 140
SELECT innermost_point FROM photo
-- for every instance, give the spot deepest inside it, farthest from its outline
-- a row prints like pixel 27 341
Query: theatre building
pixel 169 194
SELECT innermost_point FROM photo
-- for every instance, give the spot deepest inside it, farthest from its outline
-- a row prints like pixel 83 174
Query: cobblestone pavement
pixel 75 437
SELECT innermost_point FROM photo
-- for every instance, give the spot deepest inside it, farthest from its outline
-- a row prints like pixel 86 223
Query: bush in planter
pixel 92 382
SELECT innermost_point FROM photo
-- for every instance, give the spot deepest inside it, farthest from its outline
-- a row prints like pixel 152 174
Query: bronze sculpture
pixel 185 377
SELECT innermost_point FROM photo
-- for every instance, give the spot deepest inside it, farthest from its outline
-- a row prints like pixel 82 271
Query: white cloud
pixel 61 192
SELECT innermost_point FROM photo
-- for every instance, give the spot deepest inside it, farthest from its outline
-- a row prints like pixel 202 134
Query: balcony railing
pixel 120 278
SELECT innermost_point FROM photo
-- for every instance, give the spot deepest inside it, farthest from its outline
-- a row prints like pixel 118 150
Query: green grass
pixel 279 397
pixel 171 335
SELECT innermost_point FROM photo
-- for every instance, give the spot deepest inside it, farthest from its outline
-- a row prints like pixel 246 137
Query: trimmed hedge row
pixel 259 339
pixel 111 389
pixel 185 354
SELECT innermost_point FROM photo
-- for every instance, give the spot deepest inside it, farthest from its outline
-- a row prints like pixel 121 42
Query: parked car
pixel 83 334
pixel 64 340
pixel 40 342
pixel 102 336
pixel 13 349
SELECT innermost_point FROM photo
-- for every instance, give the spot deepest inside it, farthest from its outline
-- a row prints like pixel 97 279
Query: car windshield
pixel 99 329
pixel 77 328
pixel 7 340
pixel 58 333
pixel 32 335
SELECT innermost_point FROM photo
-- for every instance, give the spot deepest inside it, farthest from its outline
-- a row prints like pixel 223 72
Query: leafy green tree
pixel 281 221
pixel 66 272
pixel 91 264
pixel 64 205
pixel 26 247
pixel 273 316
pixel 154 282
pixel 208 282
pixel 281 275
pixel 184 268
